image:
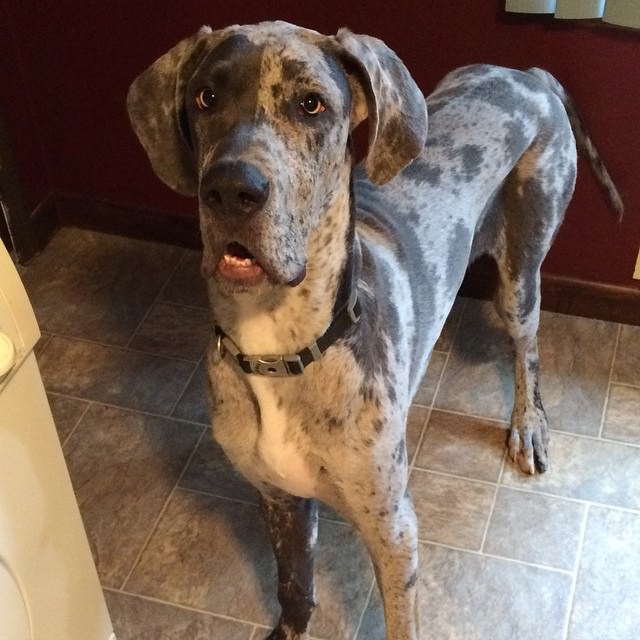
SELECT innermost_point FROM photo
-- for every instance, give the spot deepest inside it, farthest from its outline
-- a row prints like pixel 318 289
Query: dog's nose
pixel 235 187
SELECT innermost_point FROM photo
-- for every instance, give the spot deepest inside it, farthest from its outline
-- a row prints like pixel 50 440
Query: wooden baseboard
pixel 559 294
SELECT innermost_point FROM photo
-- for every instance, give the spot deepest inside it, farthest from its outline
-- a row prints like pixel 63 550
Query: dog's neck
pixel 294 317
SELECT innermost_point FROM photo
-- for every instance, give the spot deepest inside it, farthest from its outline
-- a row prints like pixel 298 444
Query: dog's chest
pixel 280 451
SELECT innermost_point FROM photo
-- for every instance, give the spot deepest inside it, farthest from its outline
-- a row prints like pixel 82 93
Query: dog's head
pixel 255 122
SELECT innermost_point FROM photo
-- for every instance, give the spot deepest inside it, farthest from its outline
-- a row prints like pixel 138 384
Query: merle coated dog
pixel 330 284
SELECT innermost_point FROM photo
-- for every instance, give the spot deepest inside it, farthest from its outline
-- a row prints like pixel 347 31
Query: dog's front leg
pixel 388 525
pixel 293 526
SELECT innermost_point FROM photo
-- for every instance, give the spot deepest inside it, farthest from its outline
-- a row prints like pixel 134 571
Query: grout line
pixel 120 347
pixel 575 572
pixel 582 501
pixel 485 533
pixel 156 299
pixel 77 424
pixel 188 382
pixel 446 474
pixel 605 404
pixel 494 556
pixel 170 495
pixel 184 607
pixel 364 609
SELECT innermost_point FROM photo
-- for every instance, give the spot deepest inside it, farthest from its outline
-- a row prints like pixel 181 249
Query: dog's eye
pixel 205 98
pixel 312 104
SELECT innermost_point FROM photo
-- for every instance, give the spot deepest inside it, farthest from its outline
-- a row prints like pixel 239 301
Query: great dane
pixel 330 284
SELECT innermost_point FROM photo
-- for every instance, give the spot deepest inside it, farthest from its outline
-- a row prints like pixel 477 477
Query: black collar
pixel 346 313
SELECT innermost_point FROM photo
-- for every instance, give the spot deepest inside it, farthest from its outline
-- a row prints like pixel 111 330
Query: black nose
pixel 234 187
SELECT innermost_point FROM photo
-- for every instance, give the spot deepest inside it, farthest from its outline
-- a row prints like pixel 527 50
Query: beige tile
pixel 211 554
pixel 478 378
pixel 214 554
pixel 427 389
pixel 211 472
pixel 622 418
pixel 536 529
pixel 123 466
pixel 463 446
pixel 415 424
pixel 97 286
pixel 113 375
pixel 466 596
pixel 575 360
pixel 445 341
pixel 451 511
pixel 187 286
pixel 174 331
pixel 586 469
pixel 626 368
pixel 607 598
pixel 66 413
pixel 138 619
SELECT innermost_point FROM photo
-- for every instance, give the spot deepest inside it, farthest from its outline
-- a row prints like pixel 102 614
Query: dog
pixel 329 284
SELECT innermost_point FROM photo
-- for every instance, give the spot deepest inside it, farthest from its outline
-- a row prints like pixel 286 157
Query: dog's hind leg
pixel 533 202
pixel 293 526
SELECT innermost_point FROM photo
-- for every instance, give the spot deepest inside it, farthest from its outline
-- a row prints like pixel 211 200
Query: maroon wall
pixel 66 66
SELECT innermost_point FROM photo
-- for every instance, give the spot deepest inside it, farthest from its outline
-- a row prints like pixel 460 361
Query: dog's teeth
pixel 238 262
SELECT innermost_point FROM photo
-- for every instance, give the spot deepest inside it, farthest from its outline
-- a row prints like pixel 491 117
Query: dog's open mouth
pixel 239 264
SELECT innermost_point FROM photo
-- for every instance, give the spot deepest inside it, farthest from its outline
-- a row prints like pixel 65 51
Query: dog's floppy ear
pixel 156 108
pixel 385 92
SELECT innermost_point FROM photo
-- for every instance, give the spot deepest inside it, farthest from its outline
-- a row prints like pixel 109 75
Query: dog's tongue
pixel 238 264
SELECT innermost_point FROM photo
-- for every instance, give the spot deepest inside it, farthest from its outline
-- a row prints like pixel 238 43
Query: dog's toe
pixel 528 447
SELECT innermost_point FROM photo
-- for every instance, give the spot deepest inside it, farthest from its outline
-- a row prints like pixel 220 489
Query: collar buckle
pixel 276 366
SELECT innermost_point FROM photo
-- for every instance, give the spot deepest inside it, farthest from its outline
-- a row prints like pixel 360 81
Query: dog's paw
pixel 283 632
pixel 529 442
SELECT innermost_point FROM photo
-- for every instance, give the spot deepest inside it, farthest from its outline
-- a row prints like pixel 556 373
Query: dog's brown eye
pixel 312 104
pixel 205 98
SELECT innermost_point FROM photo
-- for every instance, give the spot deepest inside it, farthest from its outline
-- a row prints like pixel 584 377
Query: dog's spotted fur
pixel 494 176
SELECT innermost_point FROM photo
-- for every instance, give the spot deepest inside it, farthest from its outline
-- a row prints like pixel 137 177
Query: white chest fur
pixel 280 449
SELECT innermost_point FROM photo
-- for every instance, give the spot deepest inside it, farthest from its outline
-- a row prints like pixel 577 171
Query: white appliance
pixel 49 588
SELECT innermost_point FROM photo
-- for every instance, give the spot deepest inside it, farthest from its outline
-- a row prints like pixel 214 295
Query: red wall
pixel 66 66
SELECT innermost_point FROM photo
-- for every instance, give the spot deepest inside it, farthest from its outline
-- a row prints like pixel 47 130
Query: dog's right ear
pixel 156 108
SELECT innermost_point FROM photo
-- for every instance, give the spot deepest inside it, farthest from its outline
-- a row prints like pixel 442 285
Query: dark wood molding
pixel 560 294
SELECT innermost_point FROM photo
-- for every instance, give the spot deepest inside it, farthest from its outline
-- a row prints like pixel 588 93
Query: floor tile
pixel 187 286
pixel 607 598
pixel 427 389
pixel 113 375
pixel 622 418
pixel 211 554
pixel 214 554
pixel 573 377
pixel 123 466
pixel 66 413
pixel 174 331
pixel 466 596
pixel 343 578
pixel 450 510
pixel 463 446
pixel 536 529
pixel 194 402
pixel 586 469
pixel 415 425
pixel 478 378
pixel 138 619
pixel 626 368
pixel 210 471
pixel 445 341
pixel 97 286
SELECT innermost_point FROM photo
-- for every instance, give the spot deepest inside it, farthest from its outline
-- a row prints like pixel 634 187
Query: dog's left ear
pixel 384 90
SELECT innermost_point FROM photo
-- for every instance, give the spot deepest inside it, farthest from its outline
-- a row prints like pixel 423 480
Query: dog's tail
pixel 583 140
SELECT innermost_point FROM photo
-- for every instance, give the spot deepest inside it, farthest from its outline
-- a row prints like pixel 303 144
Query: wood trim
pixel 559 294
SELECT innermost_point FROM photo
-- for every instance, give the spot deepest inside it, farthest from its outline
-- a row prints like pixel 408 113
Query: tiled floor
pixel 178 539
